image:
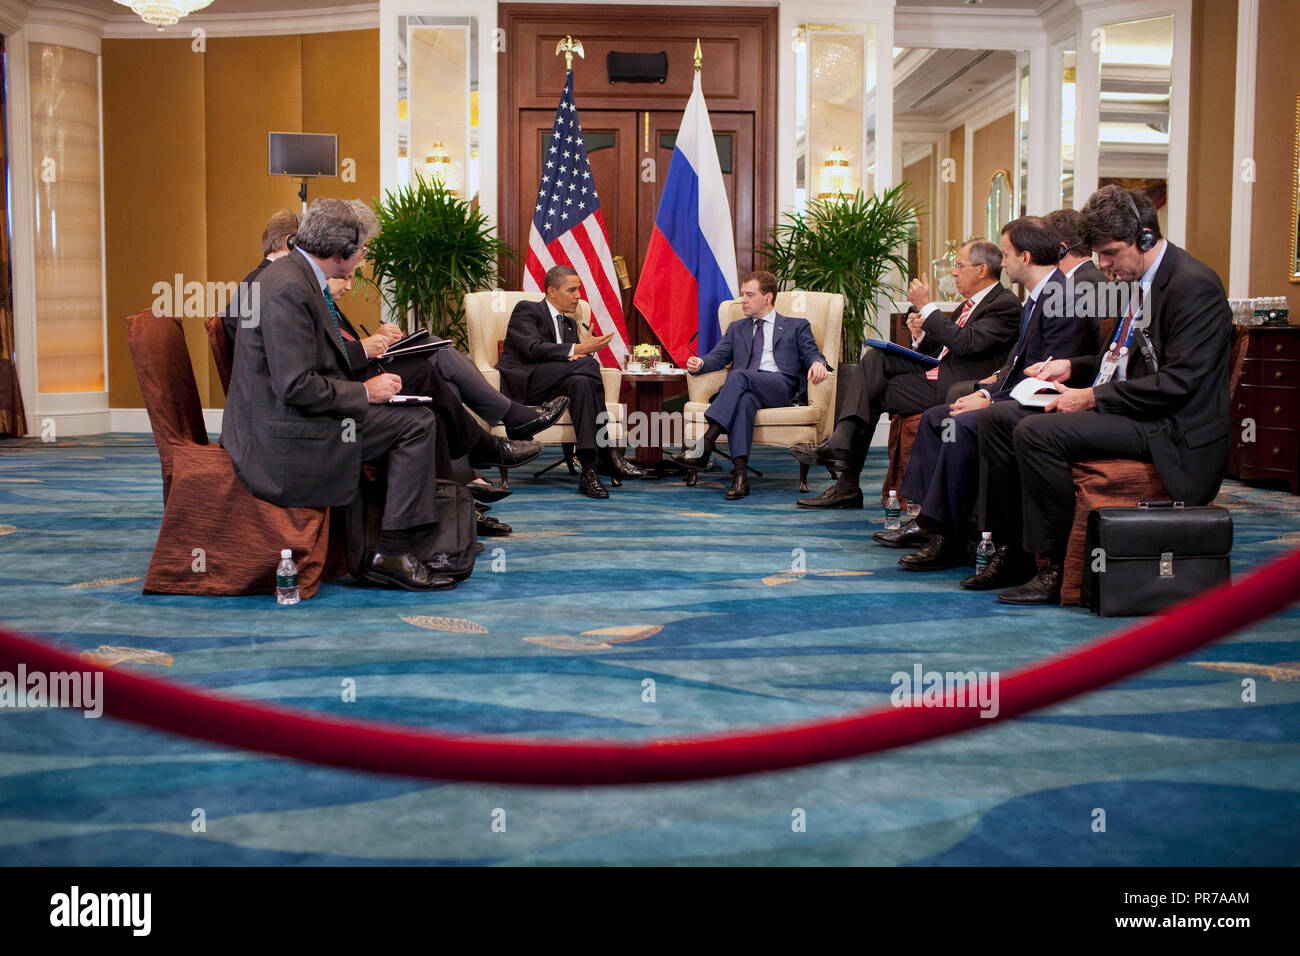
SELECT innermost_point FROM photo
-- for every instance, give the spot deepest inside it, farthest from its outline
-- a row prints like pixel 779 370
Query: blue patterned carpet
pixel 663 582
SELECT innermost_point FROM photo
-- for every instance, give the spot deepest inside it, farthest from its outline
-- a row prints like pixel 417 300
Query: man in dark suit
pixel 943 470
pixel 770 355
pixel 543 359
pixel 277 242
pixel 298 424
pixel 970 344
pixel 1158 392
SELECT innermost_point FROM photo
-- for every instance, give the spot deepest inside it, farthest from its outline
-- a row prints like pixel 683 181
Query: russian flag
pixel 690 267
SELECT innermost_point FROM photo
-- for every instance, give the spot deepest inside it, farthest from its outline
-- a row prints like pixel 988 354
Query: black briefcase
pixel 1145 559
pixel 451 548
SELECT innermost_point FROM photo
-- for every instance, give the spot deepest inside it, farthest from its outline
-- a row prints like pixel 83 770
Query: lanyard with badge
pixel 1117 354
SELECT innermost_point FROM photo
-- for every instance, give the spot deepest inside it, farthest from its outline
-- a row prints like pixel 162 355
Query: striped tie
pixel 933 374
pixel 338 325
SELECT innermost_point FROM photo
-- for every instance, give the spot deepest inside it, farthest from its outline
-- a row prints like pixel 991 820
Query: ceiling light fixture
pixel 163 13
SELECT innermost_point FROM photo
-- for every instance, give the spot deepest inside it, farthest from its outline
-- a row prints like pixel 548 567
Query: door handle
pixel 647 132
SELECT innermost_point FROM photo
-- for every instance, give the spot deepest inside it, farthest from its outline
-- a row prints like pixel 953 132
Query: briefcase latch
pixel 1166 564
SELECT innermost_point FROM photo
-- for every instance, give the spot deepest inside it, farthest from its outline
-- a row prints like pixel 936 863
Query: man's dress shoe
pixel 909 535
pixel 613 463
pixel 479 547
pixel 693 466
pixel 589 484
pixel 547 415
pixel 490 527
pixel 488 492
pixel 1043 588
pixel 1004 570
pixel 504 453
pixel 813 453
pixel 833 497
pixel 937 555
pixel 739 486
pixel 406 572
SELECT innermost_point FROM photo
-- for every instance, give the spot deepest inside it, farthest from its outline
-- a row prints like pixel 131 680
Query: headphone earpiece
pixel 1144 237
pixel 291 242
pixel 1062 252
pixel 350 247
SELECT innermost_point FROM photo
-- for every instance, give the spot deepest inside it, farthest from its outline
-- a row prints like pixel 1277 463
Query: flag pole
pixel 699 56
pixel 569 46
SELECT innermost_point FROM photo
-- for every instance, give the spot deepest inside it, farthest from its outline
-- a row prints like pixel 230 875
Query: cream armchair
pixel 487 315
pixel 794 423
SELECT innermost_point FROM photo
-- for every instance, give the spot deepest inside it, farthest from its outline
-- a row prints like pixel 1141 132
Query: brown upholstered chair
pixel 1104 483
pixel 902 436
pixel 223 350
pixel 215 537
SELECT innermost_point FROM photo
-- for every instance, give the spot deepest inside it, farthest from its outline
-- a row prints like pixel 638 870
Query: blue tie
pixel 756 355
pixel 338 326
pixel 1025 313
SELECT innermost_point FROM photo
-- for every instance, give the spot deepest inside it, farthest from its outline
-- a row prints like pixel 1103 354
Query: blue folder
pixel 926 360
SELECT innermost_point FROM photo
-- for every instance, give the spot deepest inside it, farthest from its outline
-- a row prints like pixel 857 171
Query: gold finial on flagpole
pixel 699 55
pixel 569 46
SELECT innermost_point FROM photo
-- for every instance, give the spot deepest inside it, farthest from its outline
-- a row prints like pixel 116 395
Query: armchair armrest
pixel 823 396
pixel 701 387
pixel 612 379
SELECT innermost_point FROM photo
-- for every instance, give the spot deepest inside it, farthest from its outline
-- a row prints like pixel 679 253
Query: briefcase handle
pixel 1162 504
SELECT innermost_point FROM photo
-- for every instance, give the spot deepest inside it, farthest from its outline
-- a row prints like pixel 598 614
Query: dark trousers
pixel 741 396
pixel 464 377
pixel 406 439
pixel 421 377
pixel 943 472
pixel 580 380
pixel 888 383
pixel 1025 458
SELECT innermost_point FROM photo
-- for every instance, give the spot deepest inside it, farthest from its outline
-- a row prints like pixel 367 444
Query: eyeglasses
pixel 965 265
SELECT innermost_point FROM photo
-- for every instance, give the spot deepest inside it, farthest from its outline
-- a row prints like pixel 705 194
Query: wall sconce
pixel 835 175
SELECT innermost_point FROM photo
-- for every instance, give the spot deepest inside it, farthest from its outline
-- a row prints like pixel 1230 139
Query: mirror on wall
pixel 437 105
pixel 1136 83
pixel 998 205
pixel 1065 57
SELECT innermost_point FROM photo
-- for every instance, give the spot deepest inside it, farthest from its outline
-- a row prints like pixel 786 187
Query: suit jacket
pixel 1183 404
pixel 1055 329
pixel 530 341
pixel 293 399
pixel 976 350
pixel 240 307
pixel 793 349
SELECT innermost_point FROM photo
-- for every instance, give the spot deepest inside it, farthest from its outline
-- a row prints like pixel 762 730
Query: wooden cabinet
pixel 1268 394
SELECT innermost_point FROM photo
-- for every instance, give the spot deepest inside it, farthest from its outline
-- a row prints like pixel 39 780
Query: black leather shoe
pixel 909 535
pixel 739 486
pixel 479 547
pixel 488 492
pixel 1043 588
pixel 490 527
pixel 833 497
pixel 504 453
pixel 1004 570
pixel 937 555
pixel 547 415
pixel 612 462
pixel 813 453
pixel 589 484
pixel 406 572
pixel 693 466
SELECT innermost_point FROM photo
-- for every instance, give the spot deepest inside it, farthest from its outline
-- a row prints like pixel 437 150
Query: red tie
pixel 933 374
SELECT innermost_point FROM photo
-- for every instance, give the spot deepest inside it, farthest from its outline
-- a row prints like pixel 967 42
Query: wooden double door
pixel 618 144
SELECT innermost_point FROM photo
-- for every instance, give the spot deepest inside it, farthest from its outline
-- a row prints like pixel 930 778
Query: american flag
pixel 569 229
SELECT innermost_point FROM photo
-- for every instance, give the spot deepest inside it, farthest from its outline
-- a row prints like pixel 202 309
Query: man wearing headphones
pixel 298 424
pixel 1157 392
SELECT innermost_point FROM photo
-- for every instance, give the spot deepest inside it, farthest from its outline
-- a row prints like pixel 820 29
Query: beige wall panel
pixel 1209 141
pixel 1277 82
pixel 921 176
pixel 956 201
pixel 992 148
pixel 65 171
pixel 154 194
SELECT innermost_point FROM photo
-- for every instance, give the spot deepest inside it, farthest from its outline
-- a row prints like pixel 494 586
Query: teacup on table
pixel 663 366
pixel 633 366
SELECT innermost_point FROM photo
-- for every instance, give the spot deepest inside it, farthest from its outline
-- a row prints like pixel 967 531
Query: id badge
pixel 1110 364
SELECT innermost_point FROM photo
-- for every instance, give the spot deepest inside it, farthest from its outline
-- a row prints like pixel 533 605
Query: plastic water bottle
pixel 984 553
pixel 892 510
pixel 286 579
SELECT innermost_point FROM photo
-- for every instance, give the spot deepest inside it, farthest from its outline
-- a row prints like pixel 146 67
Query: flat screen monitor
pixel 303 154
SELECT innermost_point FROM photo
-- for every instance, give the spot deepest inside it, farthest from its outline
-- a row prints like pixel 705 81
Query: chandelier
pixel 163 13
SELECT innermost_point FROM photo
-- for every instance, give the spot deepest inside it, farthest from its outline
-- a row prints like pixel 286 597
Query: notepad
pixel 1035 393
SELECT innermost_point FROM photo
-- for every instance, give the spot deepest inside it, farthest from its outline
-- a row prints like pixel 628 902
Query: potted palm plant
pixel 431 250
pixel 851 246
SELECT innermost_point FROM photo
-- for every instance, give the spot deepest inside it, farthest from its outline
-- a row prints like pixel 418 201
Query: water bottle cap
pixel 892 492
pixel 286 553
pixel 988 535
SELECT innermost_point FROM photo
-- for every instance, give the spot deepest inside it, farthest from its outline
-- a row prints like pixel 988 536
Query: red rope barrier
pixel 386 748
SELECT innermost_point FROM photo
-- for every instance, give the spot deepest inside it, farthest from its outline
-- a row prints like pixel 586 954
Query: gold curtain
pixel 12 418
